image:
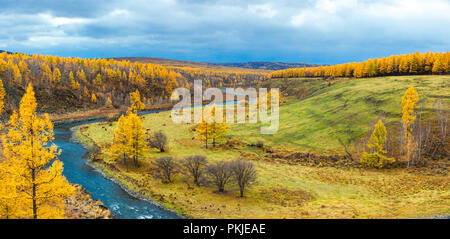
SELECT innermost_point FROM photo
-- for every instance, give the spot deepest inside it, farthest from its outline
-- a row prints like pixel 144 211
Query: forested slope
pixel 65 84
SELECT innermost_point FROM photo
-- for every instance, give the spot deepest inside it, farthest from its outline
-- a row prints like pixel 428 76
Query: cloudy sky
pixel 322 31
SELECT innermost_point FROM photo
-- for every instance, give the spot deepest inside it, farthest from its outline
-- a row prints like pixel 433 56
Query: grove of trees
pixel 416 139
pixel 129 136
pixel 410 64
pixel 107 82
pixel 210 128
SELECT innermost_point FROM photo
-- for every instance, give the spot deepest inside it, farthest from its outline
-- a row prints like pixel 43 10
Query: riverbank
pixel 96 114
pixel 282 190
pixel 82 206
pixel 108 172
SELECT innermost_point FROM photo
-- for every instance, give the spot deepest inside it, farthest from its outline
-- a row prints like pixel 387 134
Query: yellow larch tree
pixel 210 128
pixel 135 101
pixel 128 140
pixel 203 129
pixel 409 106
pixel 438 66
pixel 93 98
pixel 73 84
pixel 17 76
pixel 24 70
pixel 218 129
pixel 33 162
pixel 171 83
pixel 81 76
pixel 377 158
pixel 10 198
pixel 56 76
pixel 2 97
pixel 135 136
pixel 46 74
pixel 98 79
pixel 108 102
pixel 119 148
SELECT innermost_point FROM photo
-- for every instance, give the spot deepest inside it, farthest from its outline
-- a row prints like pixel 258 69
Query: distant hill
pixel 263 66
pixel 1 51
pixel 165 62
pixel 266 65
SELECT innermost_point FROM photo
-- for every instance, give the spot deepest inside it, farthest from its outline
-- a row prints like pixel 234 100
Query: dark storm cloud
pixel 323 31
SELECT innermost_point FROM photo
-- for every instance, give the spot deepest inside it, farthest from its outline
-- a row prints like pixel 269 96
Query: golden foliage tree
pixel 203 130
pixel 33 164
pixel 46 74
pixel 119 148
pixel 56 76
pixel 105 76
pixel 136 103
pixel 409 105
pixel 93 98
pixel 2 96
pixel 98 79
pixel 268 98
pixel 10 199
pixel 377 159
pixel 171 83
pixel 210 128
pixel 73 84
pixel 218 129
pixel 81 76
pixel 108 102
pixel 128 139
pixel 410 64
pixel 136 137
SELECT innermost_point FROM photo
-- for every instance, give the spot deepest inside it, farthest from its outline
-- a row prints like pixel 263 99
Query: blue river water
pixel 77 170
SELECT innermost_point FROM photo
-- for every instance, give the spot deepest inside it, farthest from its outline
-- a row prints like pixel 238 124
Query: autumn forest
pixel 376 128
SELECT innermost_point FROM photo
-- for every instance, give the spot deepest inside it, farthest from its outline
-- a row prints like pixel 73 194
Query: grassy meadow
pixel 347 108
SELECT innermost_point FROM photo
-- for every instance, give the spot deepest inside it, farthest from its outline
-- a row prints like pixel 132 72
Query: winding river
pixel 77 170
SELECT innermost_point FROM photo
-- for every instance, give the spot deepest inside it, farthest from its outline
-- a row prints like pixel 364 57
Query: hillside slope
pixel 285 189
pixel 347 108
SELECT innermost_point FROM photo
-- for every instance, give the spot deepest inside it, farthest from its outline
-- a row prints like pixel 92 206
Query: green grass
pixel 347 109
pixel 292 191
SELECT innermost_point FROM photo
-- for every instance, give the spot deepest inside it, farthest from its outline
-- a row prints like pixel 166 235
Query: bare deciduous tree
pixel 158 140
pixel 244 173
pixel 221 173
pixel 194 165
pixel 442 120
pixel 166 167
pixel 349 155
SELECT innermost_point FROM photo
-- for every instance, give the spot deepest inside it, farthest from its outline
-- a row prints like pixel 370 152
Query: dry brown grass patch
pixel 388 183
pixel 285 197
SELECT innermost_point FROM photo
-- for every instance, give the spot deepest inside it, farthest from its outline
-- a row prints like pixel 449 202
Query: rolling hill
pixel 266 65
pixel 262 65
pixel 293 182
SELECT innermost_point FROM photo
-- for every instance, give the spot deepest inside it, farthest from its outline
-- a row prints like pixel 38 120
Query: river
pixel 77 170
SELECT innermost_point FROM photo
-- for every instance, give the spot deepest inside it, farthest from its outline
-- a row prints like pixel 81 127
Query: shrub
pixel 234 143
pixel 259 144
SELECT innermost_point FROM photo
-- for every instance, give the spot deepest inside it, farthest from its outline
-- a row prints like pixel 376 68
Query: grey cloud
pixel 323 31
